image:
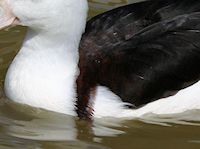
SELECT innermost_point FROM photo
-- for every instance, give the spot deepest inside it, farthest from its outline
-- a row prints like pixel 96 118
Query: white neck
pixel 44 71
pixel 60 45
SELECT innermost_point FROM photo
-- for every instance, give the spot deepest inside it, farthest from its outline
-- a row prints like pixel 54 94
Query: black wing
pixel 114 27
pixel 147 51
pixel 157 62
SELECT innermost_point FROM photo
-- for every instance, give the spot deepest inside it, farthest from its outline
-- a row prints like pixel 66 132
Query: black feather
pixel 142 52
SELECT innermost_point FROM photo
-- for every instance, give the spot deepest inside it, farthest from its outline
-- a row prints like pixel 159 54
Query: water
pixel 23 127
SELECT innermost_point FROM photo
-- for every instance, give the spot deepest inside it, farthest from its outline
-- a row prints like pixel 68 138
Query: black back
pixel 143 51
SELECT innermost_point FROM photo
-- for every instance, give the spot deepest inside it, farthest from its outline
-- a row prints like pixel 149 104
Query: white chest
pixel 41 79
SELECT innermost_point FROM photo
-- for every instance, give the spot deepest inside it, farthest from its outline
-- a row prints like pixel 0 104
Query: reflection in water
pixel 43 125
pixel 39 128
pixel 30 125
pixel 29 128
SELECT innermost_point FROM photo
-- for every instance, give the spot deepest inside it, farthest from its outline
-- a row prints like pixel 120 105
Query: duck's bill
pixel 4 22
pixel 6 16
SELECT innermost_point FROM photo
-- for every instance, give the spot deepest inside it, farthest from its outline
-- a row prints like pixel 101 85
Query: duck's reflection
pixel 36 124
pixel 49 130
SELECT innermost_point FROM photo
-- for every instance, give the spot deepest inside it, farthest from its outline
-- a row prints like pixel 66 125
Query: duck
pixel 128 62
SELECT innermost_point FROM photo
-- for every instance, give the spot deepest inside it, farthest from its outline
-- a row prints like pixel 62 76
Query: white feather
pixel 107 104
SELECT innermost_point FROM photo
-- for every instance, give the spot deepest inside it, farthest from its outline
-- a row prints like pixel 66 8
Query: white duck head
pixel 49 16
pixel 34 13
